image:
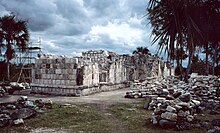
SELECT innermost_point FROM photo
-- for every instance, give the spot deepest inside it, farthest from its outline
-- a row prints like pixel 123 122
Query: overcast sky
pixel 69 27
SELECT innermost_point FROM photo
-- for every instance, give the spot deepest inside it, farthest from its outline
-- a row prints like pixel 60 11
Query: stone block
pixel 48 76
pixel 67 82
pixel 72 82
pixel 60 76
pixel 42 71
pixel 45 81
pixel 67 60
pixel 167 124
pixel 50 82
pixel 61 66
pixel 169 116
pixel 62 82
pixel 65 76
pixel 58 82
pixel 69 71
pixel 58 71
pixel 72 77
pixel 64 71
pixel 41 81
pixel 43 66
pixel 171 109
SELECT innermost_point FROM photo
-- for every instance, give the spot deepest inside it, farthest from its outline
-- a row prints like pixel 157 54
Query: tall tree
pixel 178 24
pixel 142 50
pixel 179 56
pixel 14 35
pixel 210 26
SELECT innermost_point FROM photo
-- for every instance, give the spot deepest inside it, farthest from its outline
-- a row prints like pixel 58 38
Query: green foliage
pixel 13 35
pixel 142 51
pixel 185 24
pixel 87 118
pixel 137 119
pixel 77 118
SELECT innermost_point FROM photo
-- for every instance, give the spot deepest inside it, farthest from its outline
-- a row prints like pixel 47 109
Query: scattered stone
pixel 216 122
pixel 171 109
pixel 24 113
pixel 177 101
pixel 213 112
pixel 185 97
pixel 183 126
pixel 169 116
pixel 167 124
pixel 18 122
pixel 14 113
pixel 4 120
pixel 214 130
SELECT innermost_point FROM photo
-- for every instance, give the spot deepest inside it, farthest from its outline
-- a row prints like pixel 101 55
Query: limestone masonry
pixel 94 71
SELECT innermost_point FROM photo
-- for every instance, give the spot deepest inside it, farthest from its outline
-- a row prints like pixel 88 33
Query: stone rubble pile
pixel 11 87
pixel 14 113
pixel 176 103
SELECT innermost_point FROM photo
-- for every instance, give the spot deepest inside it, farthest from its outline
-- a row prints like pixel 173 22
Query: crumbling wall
pixel 117 73
pixel 91 74
pixel 62 75
pixel 139 67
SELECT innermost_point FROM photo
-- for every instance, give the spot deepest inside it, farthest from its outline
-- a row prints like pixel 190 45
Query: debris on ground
pixel 11 87
pixel 14 113
pixel 175 104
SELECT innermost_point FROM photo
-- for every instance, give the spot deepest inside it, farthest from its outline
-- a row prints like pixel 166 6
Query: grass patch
pixel 77 118
pixel 136 118
pixel 87 118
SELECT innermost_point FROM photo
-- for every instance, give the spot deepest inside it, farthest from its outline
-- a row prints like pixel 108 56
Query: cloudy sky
pixel 72 26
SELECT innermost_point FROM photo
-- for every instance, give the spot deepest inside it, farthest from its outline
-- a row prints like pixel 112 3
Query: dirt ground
pixel 110 97
pixel 102 101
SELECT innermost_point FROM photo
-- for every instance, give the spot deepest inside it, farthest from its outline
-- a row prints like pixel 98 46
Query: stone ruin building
pixel 94 71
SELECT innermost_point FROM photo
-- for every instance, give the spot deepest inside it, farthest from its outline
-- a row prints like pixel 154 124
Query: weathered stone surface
pixel 167 124
pixel 14 113
pixel 183 126
pixel 4 120
pixel 18 122
pixel 214 130
pixel 24 113
pixel 169 116
pixel 185 97
pixel 183 100
pixel 216 122
pixel 171 109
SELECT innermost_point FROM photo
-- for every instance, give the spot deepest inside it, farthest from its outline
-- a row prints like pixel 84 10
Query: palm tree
pixel 142 50
pixel 210 26
pixel 179 56
pixel 14 35
pixel 177 24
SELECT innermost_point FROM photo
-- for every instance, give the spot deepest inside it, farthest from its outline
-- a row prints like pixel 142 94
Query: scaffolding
pixel 24 62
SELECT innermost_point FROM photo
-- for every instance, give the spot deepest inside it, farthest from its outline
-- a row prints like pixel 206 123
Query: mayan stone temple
pixel 94 71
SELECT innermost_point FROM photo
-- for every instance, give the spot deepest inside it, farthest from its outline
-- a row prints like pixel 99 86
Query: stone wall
pixel 56 72
pixel 75 90
pixel 91 74
pixel 87 74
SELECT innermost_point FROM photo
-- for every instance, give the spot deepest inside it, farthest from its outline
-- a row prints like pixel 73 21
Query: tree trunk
pixel 8 69
pixel 206 60
pixel 188 66
pixel 170 67
pixel 214 60
pixel 180 69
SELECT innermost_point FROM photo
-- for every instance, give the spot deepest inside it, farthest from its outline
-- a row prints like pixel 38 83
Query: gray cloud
pixel 72 26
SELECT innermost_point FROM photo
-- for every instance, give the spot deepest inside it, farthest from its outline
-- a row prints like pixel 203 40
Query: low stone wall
pixel 101 88
pixel 74 90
